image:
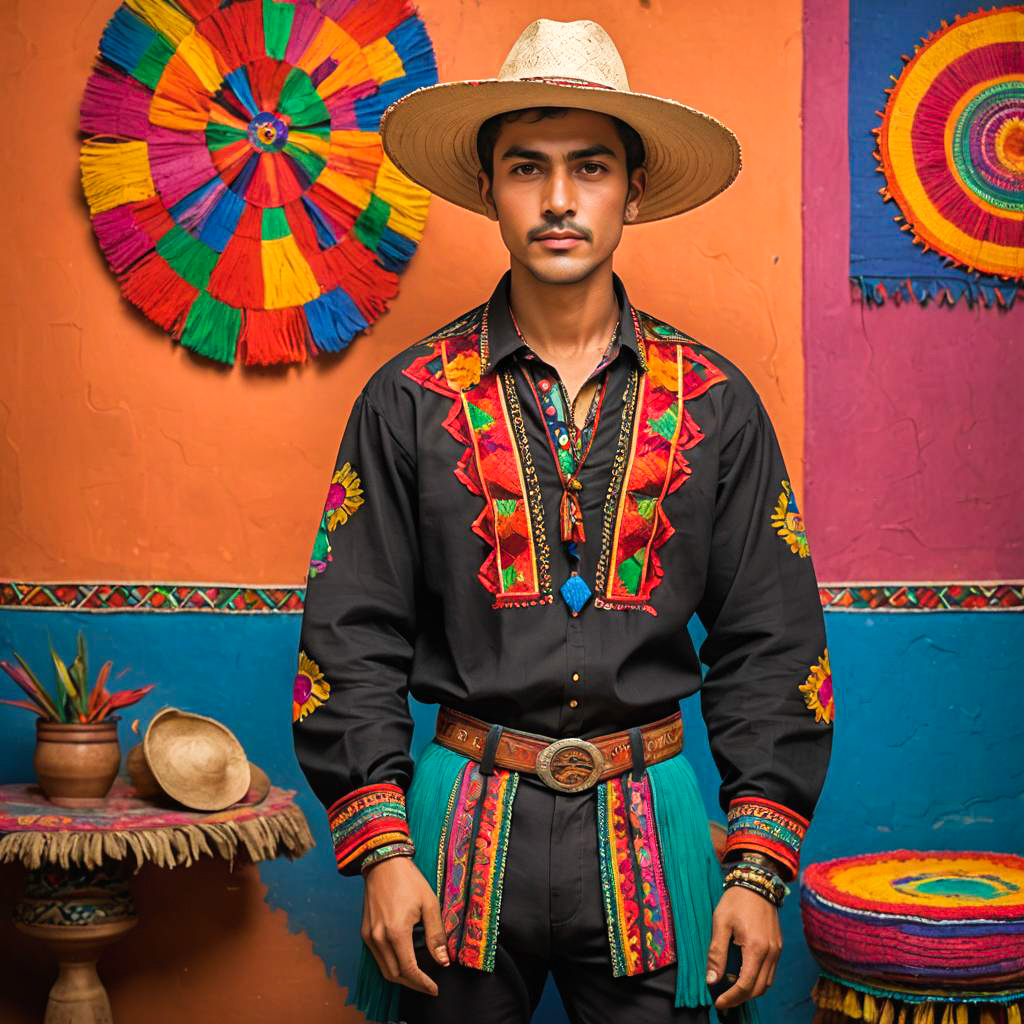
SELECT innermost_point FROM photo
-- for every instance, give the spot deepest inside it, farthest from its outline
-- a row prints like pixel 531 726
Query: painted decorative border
pixel 240 599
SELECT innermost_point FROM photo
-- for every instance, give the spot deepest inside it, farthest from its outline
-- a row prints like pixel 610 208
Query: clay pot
pixel 76 762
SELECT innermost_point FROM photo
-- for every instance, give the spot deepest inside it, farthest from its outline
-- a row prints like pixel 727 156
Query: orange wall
pixel 123 457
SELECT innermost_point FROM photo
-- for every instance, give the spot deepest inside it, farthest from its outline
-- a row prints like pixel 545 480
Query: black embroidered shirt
pixel 437 567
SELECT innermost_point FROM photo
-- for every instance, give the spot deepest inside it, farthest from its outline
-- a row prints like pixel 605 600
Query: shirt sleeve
pixel 767 695
pixel 351 723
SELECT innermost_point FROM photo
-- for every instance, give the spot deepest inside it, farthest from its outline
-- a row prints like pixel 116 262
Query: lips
pixel 558 241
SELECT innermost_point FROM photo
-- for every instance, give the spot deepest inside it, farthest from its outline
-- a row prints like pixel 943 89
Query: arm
pixel 350 715
pixel 766 697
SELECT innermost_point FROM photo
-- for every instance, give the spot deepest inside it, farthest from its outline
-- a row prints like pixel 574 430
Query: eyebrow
pixel 519 153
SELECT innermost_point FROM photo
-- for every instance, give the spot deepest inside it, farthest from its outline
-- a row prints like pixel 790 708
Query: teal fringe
pixel 691 872
pixel 433 779
pixel 692 875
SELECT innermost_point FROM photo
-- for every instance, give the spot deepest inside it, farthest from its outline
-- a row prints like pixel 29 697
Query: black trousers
pixel 552 919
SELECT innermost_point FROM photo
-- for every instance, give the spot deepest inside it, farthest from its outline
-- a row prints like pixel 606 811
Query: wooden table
pixel 78 899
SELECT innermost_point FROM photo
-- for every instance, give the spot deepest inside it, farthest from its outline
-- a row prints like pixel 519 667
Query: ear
pixel 635 194
pixel 483 183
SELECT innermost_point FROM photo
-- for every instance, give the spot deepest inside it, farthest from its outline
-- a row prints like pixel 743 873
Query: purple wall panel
pixel 914 449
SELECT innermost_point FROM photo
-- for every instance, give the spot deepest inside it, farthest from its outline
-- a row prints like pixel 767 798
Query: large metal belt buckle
pixel 570 765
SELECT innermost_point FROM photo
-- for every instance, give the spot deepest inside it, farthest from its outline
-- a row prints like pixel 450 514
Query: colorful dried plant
pixel 73 700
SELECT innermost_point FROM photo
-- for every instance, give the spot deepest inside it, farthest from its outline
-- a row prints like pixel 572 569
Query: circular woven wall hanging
pixel 951 143
pixel 233 169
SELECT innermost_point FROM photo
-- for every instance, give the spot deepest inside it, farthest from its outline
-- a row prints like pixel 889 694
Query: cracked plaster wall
pixel 122 457
pixel 915 467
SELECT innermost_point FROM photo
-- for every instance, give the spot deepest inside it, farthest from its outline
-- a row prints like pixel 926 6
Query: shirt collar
pixel 500 338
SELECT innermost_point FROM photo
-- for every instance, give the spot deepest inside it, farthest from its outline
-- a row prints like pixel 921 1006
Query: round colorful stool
pixel 910 937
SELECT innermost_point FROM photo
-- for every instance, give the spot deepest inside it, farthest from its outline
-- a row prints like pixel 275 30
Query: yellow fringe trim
pixel 179 103
pixel 287 277
pixel 409 202
pixel 869 1008
pixel 851 1004
pixel 197 53
pixel 1013 1014
pixel 384 62
pixel 986 1018
pixel 285 832
pixel 961 1015
pixel 923 1014
pixel 114 173
pixel 165 18
pixel 888 1013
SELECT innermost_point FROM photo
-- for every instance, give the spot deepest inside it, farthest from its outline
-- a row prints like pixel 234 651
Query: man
pixel 527 509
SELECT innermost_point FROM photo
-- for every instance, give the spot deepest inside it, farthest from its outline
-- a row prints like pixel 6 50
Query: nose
pixel 560 195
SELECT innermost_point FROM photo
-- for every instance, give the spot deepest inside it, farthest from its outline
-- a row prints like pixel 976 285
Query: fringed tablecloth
pixel 36 832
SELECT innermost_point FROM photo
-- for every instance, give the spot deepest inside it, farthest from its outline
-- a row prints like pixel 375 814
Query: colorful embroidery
pixel 817 691
pixel 789 523
pixel 471 863
pixel 309 690
pixel 771 828
pixel 344 496
pixel 364 820
pixel 637 907
pixel 654 467
pixel 487 419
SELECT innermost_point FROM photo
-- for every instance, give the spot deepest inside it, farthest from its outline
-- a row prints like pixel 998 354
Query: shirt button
pixel 574 703
pixel 575 677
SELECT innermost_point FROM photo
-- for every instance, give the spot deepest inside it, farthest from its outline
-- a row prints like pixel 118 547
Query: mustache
pixel 564 225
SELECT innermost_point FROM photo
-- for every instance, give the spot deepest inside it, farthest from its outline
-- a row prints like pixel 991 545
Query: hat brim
pixel 430 135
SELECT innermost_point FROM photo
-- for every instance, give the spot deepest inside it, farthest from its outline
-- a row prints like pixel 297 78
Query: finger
pixel 434 931
pixel 720 934
pixel 753 957
pixel 409 973
pixel 761 981
pixel 774 960
pixel 383 953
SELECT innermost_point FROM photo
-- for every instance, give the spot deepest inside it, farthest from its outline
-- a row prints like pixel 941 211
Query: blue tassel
pixel 239 82
pixel 333 320
pixel 221 223
pixel 126 39
pixel 575 593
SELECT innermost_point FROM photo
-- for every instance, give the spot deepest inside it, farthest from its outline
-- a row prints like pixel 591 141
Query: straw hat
pixel 196 760
pixel 430 134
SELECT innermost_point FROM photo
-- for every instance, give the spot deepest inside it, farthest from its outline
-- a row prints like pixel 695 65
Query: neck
pixel 564 320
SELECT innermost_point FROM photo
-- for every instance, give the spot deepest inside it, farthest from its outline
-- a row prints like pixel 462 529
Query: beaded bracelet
pixel 758 879
pixel 386 852
pixel 770 896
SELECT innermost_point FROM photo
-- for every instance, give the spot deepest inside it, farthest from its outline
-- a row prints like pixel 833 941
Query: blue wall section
pixel 929 743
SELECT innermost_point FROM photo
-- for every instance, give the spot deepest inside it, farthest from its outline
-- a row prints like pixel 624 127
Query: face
pixel 560 193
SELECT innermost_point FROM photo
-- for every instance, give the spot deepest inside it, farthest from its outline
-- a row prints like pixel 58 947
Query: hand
pixel 396 897
pixel 753 924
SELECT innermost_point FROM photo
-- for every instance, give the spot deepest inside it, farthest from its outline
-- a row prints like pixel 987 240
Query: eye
pixel 524 170
pixel 592 167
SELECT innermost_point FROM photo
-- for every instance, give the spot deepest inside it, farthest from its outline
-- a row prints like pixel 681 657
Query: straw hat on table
pixel 430 134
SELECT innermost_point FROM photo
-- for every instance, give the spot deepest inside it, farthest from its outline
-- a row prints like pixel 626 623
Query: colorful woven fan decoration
pixel 951 142
pixel 234 173
pixel 917 937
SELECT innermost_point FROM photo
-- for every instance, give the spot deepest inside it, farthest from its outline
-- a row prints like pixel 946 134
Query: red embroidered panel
pixel 486 419
pixel 655 465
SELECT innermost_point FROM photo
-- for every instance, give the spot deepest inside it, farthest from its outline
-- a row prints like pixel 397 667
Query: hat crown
pixel 565 51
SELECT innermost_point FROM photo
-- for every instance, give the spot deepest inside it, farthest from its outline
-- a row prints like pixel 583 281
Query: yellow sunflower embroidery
pixel 817 691
pixel 789 523
pixel 344 497
pixel 310 689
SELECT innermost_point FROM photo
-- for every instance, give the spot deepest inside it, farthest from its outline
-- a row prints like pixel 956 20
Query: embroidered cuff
pixel 365 819
pixel 771 828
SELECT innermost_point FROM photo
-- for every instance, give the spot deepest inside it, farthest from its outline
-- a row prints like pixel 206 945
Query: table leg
pixel 76 912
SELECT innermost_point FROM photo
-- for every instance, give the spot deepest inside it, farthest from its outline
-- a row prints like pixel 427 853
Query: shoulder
pixel 710 372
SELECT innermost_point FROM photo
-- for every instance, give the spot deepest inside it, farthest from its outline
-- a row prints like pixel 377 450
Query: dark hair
pixel 487 136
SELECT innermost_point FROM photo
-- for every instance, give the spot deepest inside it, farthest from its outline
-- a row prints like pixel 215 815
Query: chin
pixel 561 270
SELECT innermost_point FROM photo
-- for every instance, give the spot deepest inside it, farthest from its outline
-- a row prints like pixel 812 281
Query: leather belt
pixel 567 765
